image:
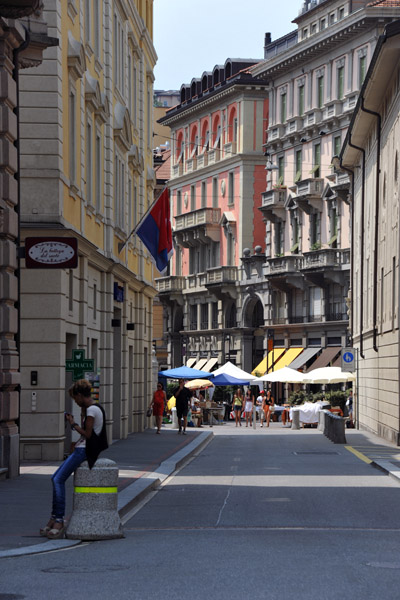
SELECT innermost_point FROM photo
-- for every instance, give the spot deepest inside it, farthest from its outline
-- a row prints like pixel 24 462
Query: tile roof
pixel 385 3
pixel 163 169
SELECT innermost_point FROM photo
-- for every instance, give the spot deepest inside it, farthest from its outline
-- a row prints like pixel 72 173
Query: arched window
pixel 232 126
pixel 180 147
pixel 194 143
pixel 216 133
pixel 205 137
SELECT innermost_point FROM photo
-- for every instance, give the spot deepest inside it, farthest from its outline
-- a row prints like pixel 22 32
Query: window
pixel 320 91
pixel 215 315
pixel 204 316
pixel 119 186
pixel 313 28
pixel 215 192
pixel 337 145
pixel 298 158
pixel 72 136
pixel 340 83
pixel 135 102
pixel 295 225
pixel 332 18
pixel 316 171
pixel 130 199
pixel 362 70
pixel 281 170
pixel 88 27
pixel 118 49
pixel 301 100
pixel 230 248
pixel 333 227
pixel 283 107
pixel 192 197
pixel 305 33
pixel 315 304
pixel 99 172
pixel 97 11
pixel 231 188
pixel 203 194
pixel 322 24
pixel 279 231
pixel 179 202
pixel 94 301
pixel 341 13
pixel 71 290
pixel 89 163
pixel 315 226
pixel 149 117
pixel 193 317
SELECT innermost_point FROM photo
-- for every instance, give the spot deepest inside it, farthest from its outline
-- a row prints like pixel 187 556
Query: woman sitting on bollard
pixel 92 441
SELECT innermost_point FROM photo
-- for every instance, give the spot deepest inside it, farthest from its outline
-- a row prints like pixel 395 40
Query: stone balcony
pixel 191 165
pixel 177 170
pixel 308 194
pixel 202 160
pixel 294 125
pixel 196 281
pixel 276 132
pixel 170 285
pixel 273 204
pixel 229 149
pixel 350 102
pixel 333 109
pixel 214 155
pixel 313 117
pixel 284 264
pixel 328 265
pixel 221 281
pixel 198 226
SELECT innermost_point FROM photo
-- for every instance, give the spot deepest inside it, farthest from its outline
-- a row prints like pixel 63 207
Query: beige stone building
pixel 372 152
pixel 87 173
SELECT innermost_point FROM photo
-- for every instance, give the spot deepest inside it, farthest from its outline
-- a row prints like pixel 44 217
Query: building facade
pixel 372 152
pixel 87 173
pixel 301 282
pixel 217 176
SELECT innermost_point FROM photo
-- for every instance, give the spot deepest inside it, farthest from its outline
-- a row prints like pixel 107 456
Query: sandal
pixel 45 530
pixel 56 533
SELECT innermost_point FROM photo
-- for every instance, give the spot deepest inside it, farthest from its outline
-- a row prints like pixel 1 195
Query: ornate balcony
pixel 294 125
pixel 229 149
pixel 284 272
pixel 177 170
pixel 221 281
pixel 313 117
pixel 191 165
pixel 214 155
pixel 273 204
pixel 350 102
pixel 326 265
pixel 202 160
pixel 333 109
pixel 308 194
pixel 170 285
pixel 198 227
pixel 276 132
pixel 340 185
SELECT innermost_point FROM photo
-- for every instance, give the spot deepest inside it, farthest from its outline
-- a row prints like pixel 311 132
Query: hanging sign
pixel 51 253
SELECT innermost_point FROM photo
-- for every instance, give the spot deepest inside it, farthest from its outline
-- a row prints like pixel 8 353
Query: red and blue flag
pixel 156 233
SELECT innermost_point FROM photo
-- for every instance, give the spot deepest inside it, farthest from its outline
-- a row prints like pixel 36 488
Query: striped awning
pixel 325 358
pixel 210 364
pixel 190 362
pixel 199 365
pixel 304 357
pixel 268 361
pixel 287 358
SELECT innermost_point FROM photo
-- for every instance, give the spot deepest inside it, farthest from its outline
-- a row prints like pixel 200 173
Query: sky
pixel 192 36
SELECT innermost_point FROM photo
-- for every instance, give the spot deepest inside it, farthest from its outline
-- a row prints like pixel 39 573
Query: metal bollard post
pixel 95 506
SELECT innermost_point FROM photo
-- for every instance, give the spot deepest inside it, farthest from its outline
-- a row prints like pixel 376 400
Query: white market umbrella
pixel 233 371
pixel 196 384
pixel 328 375
pixel 283 375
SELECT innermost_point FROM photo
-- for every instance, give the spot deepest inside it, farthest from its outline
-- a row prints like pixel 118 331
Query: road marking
pixel 359 454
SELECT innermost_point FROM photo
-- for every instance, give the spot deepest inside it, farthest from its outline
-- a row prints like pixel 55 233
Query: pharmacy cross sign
pixel 79 365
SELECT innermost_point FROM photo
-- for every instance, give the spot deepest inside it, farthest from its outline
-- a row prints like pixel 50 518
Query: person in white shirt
pixel 259 402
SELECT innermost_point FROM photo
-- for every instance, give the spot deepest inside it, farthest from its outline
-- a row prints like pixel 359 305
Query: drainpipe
pixel 362 247
pixel 351 172
pixel 378 173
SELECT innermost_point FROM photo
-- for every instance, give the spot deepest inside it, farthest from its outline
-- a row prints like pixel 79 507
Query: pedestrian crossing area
pixel 373 452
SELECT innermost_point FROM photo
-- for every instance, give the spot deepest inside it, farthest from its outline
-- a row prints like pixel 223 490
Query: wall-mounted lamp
pixel 303 140
pixel 322 133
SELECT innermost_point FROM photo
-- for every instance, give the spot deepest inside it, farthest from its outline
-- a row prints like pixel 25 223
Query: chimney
pixel 267 38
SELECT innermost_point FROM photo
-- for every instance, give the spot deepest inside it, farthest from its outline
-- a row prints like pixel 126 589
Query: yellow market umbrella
pixel 196 384
pixel 171 403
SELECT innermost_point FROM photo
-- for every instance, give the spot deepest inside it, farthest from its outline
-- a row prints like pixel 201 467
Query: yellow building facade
pixel 87 173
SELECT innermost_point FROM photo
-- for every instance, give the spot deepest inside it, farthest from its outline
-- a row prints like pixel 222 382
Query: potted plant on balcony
pixel 316 246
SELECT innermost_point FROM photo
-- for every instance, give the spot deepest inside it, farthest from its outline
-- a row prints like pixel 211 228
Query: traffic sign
pixel 349 359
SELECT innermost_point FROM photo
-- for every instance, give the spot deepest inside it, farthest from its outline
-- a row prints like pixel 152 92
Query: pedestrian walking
pixel 349 406
pixel 183 396
pixel 248 406
pixel 238 406
pixel 158 404
pixel 93 439
pixel 259 405
pixel 268 406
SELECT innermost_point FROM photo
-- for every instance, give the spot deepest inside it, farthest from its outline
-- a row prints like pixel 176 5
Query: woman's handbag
pixel 149 411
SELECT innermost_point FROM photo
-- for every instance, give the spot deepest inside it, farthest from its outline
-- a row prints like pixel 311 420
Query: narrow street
pixel 271 513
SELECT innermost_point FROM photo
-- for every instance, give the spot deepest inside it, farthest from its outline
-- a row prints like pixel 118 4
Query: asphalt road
pixel 270 514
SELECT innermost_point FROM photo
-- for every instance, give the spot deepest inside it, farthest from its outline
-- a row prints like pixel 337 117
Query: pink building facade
pixel 217 178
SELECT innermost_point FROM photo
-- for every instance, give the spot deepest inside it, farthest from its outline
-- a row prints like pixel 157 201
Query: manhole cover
pixel 316 453
pixel 82 569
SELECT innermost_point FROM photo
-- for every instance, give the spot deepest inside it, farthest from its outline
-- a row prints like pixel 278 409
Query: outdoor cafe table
pixel 210 409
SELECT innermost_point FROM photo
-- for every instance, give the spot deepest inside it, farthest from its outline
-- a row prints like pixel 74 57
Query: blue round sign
pixel 348 357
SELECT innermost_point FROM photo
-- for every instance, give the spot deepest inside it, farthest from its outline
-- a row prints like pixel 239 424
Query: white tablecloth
pixel 309 411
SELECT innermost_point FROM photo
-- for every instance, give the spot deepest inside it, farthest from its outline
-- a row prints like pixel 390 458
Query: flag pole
pixel 122 245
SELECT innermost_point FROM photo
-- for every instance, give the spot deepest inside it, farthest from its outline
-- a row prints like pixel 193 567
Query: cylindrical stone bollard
pixel 174 418
pixel 295 419
pixel 95 505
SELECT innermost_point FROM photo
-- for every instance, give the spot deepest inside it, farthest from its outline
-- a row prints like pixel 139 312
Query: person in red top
pixel 158 403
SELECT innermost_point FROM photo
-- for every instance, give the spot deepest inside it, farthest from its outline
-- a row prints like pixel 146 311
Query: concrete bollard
pixel 174 418
pixel 321 420
pixel 95 505
pixel 295 419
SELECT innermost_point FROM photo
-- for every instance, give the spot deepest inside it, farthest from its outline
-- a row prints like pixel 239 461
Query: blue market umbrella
pixel 184 373
pixel 225 379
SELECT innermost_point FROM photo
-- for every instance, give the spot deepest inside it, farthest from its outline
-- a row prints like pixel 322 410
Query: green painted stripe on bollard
pixel 96 490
